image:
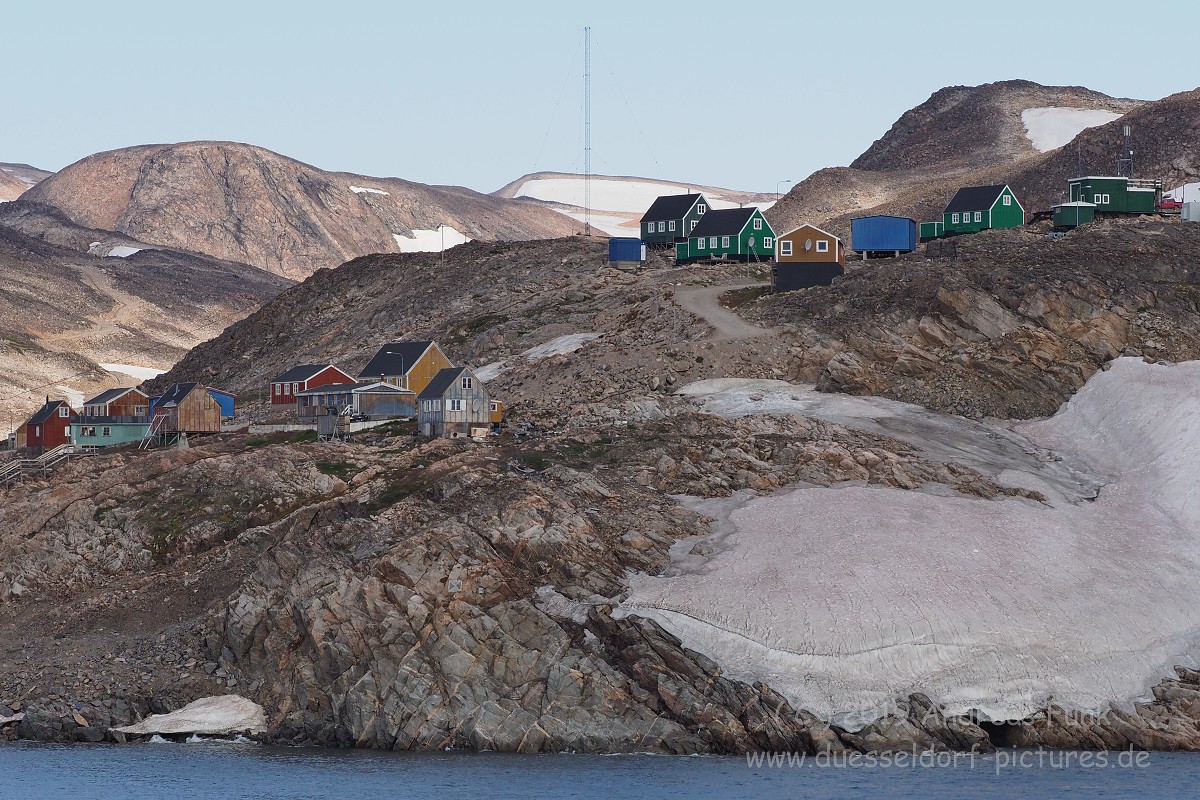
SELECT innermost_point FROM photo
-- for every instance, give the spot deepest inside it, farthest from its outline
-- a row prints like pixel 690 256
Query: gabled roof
pixel 110 395
pixel 671 206
pixel 174 394
pixel 975 198
pixel 441 382
pixel 302 372
pixel 394 358
pixel 813 227
pixel 723 222
pixel 46 412
pixel 363 387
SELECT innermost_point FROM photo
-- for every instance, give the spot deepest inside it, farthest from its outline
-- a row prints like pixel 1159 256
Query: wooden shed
pixel 407 365
pixel 186 408
pixel 453 403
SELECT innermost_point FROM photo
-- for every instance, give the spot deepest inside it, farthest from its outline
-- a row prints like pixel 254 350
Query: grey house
pixel 453 403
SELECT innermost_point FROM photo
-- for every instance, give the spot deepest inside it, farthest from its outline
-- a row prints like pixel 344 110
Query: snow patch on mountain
pixel 1051 128
pixel 845 598
pixel 434 241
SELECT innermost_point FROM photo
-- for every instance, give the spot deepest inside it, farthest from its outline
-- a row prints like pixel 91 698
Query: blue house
pixel 226 400
pixel 883 235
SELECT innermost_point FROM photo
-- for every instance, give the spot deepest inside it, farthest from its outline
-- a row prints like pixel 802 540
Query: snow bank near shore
pixel 226 714
pixel 844 598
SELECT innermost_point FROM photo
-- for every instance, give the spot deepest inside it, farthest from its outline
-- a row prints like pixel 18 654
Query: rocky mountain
pixel 964 136
pixel 241 203
pixel 67 312
pixel 16 178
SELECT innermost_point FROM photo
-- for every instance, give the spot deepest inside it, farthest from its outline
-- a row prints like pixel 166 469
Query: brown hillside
pixel 242 203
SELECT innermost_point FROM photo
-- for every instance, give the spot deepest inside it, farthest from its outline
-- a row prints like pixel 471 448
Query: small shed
pixel 930 231
pixel 1072 215
pixel 626 252
pixel 1190 212
pixel 454 402
pixel 672 218
pixel 186 408
pixel 882 234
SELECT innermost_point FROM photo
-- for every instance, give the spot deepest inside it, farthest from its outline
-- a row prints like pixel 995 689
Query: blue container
pixel 883 234
pixel 625 249
pixel 225 400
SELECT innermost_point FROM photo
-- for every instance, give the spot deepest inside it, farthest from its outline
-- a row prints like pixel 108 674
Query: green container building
pixel 1072 215
pixel 1117 195
pixel 742 234
pixel 978 208
pixel 931 231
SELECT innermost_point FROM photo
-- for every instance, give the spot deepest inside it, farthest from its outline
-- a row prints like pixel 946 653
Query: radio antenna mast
pixel 587 131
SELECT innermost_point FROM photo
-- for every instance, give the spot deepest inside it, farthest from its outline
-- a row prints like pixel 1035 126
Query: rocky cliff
pixel 246 204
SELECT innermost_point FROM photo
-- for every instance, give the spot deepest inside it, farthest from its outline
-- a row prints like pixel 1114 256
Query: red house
pixel 302 378
pixel 50 426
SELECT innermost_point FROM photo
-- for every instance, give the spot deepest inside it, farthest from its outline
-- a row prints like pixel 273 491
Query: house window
pixel 822 246
pixel 979 216
pixel 106 431
pixel 287 388
pixel 712 243
pixel 724 241
pixel 37 430
pixel 700 209
pixel 454 405
pixel 693 226
pixel 785 248
pixel 671 225
pixel 295 388
pixel 466 382
pixel 662 227
pixel 767 242
pixel 278 389
pixel 700 244
pixel 954 219
pixel 757 224
pixel 1007 200
pixel 649 227
pixel 63 411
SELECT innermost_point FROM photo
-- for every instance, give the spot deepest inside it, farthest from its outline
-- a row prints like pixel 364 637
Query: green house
pixel 978 208
pixel 108 431
pixel 671 218
pixel 1117 195
pixel 738 233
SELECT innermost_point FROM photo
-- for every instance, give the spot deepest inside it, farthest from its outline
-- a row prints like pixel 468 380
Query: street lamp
pixel 778 184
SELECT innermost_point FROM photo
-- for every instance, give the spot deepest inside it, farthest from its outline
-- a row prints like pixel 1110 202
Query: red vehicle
pixel 1169 204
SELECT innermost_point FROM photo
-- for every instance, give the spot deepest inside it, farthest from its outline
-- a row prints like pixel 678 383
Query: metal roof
pixel 671 206
pixel 302 372
pixel 46 412
pixel 723 222
pixel 363 387
pixel 109 395
pixel 174 394
pixel 394 358
pixel 441 382
pixel 975 198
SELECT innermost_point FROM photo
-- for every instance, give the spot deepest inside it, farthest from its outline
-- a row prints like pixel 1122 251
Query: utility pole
pixel 587 131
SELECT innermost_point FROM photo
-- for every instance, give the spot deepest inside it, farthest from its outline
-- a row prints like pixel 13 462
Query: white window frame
pixel 1007 200
pixel 701 208
pixel 822 245
pixel 700 243
pixel 725 242
pixel 768 242
pixel 712 243
pixel 757 224
pixel 662 227
pixel 671 226
pixel 467 383
pixel 954 219
pixel 785 247
pixel 295 388
pixel 454 404
pixel 63 411
pixel 693 226
pixel 287 389
pixel 979 216
pixel 278 389
pixel 106 431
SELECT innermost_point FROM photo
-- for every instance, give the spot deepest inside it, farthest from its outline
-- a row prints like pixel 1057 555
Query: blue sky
pixel 740 95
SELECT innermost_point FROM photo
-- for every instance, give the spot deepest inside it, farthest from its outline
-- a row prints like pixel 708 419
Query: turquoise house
pixel 108 431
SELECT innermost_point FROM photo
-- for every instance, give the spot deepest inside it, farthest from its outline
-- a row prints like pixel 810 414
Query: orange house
pixel 807 256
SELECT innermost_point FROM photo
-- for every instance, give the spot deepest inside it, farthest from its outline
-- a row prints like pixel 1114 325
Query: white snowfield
pixel 74 396
pixel 1051 128
pixel 846 598
pixel 223 715
pixel 558 346
pixel 423 241
pixel 133 371
pixel 367 190
pixel 117 251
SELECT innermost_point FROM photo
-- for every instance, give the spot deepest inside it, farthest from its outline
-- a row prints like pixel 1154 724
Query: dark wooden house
pixel 406 365
pixel 302 378
pixel 186 408
pixel 50 426
pixel 453 403
pixel 671 218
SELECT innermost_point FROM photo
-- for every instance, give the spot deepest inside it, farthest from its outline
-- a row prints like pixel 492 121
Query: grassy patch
pixel 741 297
pixel 281 437
pixel 399 487
pixel 342 470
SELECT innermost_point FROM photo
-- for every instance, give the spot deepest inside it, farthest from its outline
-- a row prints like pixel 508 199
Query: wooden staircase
pixel 43 465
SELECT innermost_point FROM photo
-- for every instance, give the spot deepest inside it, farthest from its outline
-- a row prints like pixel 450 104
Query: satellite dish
pixel 808 244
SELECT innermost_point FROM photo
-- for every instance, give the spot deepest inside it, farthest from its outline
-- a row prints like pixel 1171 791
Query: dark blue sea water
pixel 187 771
